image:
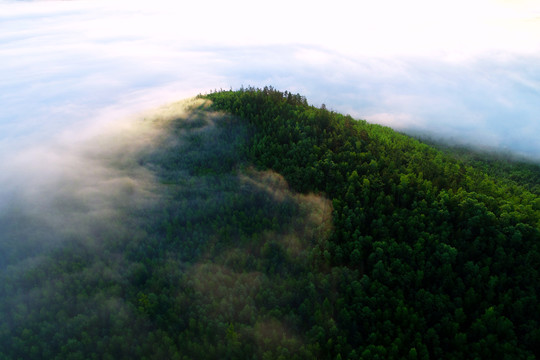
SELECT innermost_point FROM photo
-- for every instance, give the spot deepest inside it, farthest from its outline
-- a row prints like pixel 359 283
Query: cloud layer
pixel 67 66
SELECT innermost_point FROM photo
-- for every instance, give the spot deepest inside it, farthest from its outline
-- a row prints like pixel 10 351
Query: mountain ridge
pixel 279 230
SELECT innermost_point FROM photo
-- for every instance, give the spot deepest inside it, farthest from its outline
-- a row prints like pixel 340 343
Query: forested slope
pixel 429 257
pixel 285 231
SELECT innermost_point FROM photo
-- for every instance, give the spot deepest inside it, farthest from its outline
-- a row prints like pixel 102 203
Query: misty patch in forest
pixel 161 211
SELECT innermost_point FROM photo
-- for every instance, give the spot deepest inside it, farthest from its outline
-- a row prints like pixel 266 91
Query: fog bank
pixel 143 224
pixel 65 64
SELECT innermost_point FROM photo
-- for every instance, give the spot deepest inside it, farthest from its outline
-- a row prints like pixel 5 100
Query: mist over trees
pixel 252 225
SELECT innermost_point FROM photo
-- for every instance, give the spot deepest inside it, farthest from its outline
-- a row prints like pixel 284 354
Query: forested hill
pixel 429 257
pixel 278 230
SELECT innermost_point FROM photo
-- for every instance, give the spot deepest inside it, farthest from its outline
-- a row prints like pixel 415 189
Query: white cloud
pixel 466 68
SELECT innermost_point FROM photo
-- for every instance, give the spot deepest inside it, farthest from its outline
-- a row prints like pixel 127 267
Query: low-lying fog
pixel 463 72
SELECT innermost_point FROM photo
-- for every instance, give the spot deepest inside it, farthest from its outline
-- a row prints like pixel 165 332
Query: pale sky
pixel 465 70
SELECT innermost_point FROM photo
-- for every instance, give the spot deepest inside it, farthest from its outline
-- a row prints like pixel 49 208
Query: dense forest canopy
pixel 279 230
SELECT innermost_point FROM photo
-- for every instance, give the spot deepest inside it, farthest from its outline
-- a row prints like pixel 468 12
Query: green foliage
pixel 428 255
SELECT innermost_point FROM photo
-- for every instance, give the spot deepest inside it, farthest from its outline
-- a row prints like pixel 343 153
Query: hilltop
pixel 287 231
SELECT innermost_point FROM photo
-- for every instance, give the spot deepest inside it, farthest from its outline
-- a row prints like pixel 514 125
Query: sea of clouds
pixel 69 67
